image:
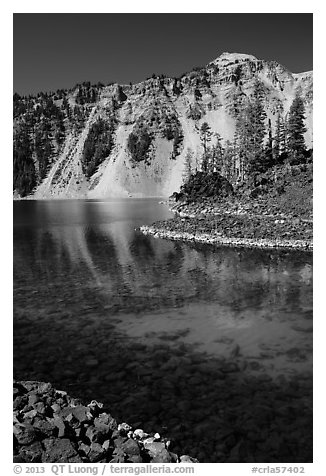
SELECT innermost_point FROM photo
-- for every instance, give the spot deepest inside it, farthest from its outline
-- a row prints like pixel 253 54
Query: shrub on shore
pixel 204 185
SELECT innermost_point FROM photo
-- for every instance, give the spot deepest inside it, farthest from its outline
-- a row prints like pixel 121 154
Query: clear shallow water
pixel 211 345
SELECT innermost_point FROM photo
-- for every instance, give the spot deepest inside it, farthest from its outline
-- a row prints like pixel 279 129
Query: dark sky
pixel 53 51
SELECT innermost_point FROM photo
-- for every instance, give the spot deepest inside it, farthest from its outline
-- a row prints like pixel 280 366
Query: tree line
pixel 256 147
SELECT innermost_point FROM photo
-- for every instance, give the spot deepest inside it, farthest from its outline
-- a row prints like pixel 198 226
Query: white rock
pixel 139 433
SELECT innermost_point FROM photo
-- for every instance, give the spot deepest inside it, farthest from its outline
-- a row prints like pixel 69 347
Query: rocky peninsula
pixel 268 215
pixel 213 225
pixel 50 427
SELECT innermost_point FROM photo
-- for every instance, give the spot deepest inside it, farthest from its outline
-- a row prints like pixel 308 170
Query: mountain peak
pixel 232 57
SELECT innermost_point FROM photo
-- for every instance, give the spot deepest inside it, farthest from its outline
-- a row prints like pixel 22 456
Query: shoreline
pixel 105 198
pixel 209 239
pixel 238 226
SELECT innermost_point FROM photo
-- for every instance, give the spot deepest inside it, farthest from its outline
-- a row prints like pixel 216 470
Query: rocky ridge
pixel 51 427
pixel 172 111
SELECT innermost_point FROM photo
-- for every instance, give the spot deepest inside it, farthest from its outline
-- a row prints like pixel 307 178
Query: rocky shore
pixel 50 427
pixel 234 224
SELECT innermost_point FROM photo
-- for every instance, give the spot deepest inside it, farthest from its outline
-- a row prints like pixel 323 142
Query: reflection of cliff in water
pixel 220 298
pixel 211 345
pixel 128 265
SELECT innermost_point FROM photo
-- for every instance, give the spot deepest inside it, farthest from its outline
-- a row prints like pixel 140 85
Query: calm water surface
pixel 210 345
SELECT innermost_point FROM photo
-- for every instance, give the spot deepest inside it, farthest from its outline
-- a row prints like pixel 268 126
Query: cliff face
pixel 171 111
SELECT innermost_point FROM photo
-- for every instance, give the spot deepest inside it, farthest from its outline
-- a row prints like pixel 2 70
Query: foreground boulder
pixel 50 426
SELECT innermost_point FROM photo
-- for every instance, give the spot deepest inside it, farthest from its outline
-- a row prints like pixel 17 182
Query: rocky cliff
pixel 152 124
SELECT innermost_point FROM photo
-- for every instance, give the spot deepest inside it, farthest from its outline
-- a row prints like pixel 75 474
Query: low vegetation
pixel 138 144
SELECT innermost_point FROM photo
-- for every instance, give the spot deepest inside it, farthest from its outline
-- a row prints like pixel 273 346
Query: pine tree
pixel 197 162
pixel 216 163
pixel 241 144
pixel 188 169
pixel 284 143
pixel 229 161
pixel 269 157
pixel 256 130
pixel 66 107
pixel 249 136
pixel 205 138
pixel 279 129
pixel 80 96
pixel 296 129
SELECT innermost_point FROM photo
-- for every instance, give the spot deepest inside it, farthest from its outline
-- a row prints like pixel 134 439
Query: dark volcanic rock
pixel 96 453
pixel 60 424
pixel 98 434
pixel 52 427
pixel 81 413
pixel 59 451
pixel 32 453
pixel 24 433
pixel 131 447
pixel 46 428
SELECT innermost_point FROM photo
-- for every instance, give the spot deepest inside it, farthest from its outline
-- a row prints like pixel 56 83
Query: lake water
pixel 211 346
